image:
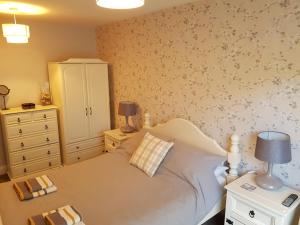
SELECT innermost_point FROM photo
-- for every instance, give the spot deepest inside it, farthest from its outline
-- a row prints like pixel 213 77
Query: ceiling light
pixel 120 4
pixel 16 33
pixel 22 8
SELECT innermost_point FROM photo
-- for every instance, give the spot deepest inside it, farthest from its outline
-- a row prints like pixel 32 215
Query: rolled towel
pixel 66 215
pixel 24 194
pixel 37 220
pixel 39 183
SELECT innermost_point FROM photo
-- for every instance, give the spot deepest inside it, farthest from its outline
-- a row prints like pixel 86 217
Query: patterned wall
pixel 229 66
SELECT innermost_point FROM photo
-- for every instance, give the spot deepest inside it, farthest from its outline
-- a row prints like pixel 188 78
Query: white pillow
pixel 150 154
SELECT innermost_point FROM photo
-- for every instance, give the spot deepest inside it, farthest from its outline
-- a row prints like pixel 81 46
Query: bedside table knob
pixel 252 214
pixel 229 221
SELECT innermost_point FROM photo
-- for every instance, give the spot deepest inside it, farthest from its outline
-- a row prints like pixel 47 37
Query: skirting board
pixel 3 170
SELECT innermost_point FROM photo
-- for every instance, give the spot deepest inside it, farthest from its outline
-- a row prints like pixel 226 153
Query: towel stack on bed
pixel 34 187
pixel 66 215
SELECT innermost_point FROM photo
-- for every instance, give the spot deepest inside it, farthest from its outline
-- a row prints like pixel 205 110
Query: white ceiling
pixel 88 13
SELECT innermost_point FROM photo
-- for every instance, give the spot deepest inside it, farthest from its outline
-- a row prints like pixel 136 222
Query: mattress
pixel 107 190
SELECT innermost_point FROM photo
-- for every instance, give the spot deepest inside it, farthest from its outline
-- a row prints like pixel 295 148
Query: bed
pixel 107 190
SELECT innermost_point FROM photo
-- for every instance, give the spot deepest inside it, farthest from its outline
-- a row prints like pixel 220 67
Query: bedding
pixel 107 190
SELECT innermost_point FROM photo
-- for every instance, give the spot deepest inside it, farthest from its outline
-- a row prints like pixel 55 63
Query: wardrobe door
pixel 98 98
pixel 76 105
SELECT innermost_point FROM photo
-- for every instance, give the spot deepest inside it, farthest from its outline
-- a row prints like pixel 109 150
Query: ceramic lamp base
pixel 127 129
pixel 268 182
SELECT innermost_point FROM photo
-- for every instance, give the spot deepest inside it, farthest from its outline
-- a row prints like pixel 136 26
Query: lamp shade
pixel 127 108
pixel 120 4
pixel 273 147
pixel 16 33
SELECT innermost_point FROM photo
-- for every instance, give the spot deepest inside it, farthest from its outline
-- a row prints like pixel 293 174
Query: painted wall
pixel 23 67
pixel 228 66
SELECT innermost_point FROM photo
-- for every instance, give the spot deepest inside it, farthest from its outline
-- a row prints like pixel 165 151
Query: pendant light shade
pixel 16 33
pixel 120 4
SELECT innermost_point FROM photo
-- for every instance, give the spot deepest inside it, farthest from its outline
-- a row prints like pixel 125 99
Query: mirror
pixel 4 91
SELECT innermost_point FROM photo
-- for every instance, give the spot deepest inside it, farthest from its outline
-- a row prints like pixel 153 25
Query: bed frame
pixel 187 132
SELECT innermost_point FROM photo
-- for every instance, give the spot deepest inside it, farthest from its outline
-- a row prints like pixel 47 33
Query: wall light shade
pixel 16 33
pixel 120 4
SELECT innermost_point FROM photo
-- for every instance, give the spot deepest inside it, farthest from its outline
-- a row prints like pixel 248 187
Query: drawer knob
pixel 251 213
pixel 45 116
pixel 20 131
pixel 46 127
pixel 229 221
pixel 22 144
pixel 50 164
pixel 25 170
pixel 19 120
pixel 24 158
pixel 77 147
pixel 113 144
pixel 78 158
pixel 47 139
pixel 48 152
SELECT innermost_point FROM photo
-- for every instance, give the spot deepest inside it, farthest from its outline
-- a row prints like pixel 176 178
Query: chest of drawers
pixel 31 140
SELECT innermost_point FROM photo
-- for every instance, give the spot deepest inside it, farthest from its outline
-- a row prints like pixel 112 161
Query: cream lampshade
pixel 16 33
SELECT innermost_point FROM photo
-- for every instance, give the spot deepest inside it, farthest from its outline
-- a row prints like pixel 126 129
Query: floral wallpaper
pixel 229 66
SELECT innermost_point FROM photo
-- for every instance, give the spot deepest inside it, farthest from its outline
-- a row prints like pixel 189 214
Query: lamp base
pixel 268 182
pixel 127 129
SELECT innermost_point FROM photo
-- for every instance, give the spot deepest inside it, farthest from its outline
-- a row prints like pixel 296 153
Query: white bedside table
pixel 259 207
pixel 114 138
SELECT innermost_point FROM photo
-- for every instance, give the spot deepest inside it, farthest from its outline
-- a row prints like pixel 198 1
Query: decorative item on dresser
pixel 4 91
pixel 31 139
pixel 80 89
pixel 247 203
pixel 114 138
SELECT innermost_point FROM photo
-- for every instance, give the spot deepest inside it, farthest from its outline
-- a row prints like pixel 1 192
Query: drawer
pixel 28 168
pixel 249 213
pixel 34 154
pixel 17 118
pixel 20 130
pixel 84 144
pixel 111 144
pixel 83 155
pixel 44 115
pixel 32 141
pixel 232 221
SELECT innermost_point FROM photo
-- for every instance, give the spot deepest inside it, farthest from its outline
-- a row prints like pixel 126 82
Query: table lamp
pixel 274 148
pixel 127 108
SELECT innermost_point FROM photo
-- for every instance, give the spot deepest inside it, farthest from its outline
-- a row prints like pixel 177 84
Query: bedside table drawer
pixel 111 144
pixel 248 213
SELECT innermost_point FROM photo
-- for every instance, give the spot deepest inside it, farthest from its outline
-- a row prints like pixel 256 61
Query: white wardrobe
pixel 80 90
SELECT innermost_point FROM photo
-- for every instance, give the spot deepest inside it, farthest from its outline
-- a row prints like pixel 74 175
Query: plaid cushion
pixel 150 154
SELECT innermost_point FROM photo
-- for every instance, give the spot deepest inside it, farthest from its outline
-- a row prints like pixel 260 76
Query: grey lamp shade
pixel 127 108
pixel 273 147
